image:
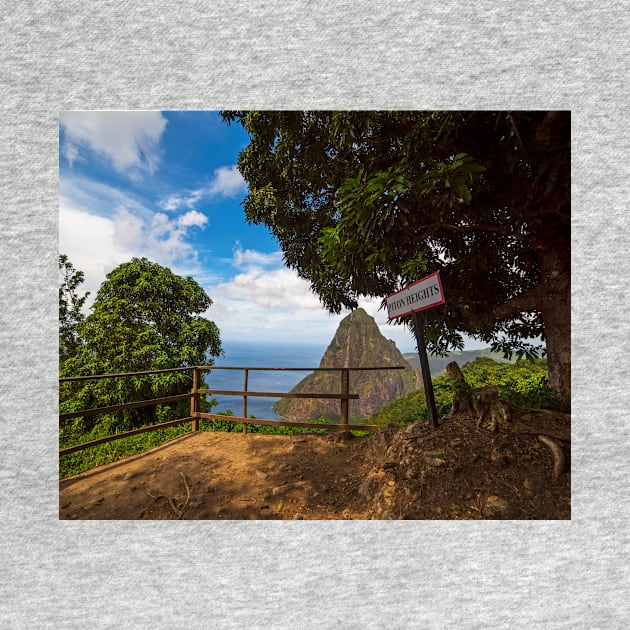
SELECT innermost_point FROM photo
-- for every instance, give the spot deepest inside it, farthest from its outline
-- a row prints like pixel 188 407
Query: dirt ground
pixel 224 476
pixel 454 472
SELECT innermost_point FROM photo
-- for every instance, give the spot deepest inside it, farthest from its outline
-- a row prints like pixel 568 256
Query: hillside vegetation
pixel 524 383
pixel 437 364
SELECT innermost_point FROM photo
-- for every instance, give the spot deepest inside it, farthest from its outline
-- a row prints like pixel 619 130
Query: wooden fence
pixel 344 396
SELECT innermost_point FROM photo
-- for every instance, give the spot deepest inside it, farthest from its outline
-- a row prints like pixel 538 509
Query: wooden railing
pixel 88 413
pixel 344 396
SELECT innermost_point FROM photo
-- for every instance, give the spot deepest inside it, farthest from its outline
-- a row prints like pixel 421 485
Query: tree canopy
pixel 144 317
pixel 363 203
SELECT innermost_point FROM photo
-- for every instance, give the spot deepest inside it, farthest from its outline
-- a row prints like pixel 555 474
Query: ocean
pixel 260 354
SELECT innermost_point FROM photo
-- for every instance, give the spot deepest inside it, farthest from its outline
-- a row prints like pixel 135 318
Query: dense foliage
pixel 144 318
pixel 365 202
pixel 524 383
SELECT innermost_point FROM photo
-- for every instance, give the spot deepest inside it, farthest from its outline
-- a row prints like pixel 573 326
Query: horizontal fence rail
pixel 96 377
pixel 231 392
pixel 119 436
pixel 344 396
pixel 287 423
pixel 87 413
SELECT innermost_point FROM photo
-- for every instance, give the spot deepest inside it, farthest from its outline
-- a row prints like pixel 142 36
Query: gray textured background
pixel 197 55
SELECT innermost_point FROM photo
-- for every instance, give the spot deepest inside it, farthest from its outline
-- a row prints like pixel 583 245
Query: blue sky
pixel 165 185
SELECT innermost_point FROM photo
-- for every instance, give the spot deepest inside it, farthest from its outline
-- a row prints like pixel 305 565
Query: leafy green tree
pixel 363 203
pixel 144 318
pixel 70 305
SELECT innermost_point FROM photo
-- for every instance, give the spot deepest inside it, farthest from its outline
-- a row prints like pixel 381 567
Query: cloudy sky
pixel 165 185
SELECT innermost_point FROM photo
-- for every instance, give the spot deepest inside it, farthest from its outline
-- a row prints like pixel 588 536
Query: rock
pixel 298 517
pixel 286 487
pixel 261 475
pixel 358 342
pixel 371 483
pixel 496 507
pixel 380 442
pixel 436 462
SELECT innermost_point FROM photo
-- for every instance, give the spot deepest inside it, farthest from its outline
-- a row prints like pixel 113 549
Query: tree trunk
pixel 552 298
pixel 558 333
pixel 556 313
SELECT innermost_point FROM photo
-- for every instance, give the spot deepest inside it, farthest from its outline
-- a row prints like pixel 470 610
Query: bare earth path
pixel 225 476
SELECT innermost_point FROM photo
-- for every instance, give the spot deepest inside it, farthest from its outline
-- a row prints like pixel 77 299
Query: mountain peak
pixel 358 342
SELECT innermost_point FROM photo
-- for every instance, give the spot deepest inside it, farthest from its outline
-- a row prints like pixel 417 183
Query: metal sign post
pixel 418 321
pixel 413 299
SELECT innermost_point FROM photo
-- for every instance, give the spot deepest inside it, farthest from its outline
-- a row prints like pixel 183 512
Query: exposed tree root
pixel 490 412
pixel 178 512
pixel 558 455
pixel 187 495
pixel 551 434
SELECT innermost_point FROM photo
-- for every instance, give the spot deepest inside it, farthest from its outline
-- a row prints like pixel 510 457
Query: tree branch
pixel 528 301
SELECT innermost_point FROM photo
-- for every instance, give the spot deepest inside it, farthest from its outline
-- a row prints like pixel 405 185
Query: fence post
pixel 194 401
pixel 345 391
pixel 245 400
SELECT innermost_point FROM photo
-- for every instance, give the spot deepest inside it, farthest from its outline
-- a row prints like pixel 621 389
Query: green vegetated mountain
pixel 438 364
pixel 358 342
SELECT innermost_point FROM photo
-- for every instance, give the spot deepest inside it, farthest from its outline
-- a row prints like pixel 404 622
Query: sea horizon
pixel 257 354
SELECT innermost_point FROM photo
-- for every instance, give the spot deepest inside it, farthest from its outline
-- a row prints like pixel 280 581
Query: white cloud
pixel 249 257
pixel 99 198
pixel 71 153
pixel 174 202
pixel 226 182
pixel 278 288
pixel 246 319
pixel 90 243
pixel 101 227
pixel 192 218
pixel 128 229
pixel 128 140
pixel 267 301
pixel 242 319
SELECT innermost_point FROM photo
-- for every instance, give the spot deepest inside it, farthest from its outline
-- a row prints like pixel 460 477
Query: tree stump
pixel 482 403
